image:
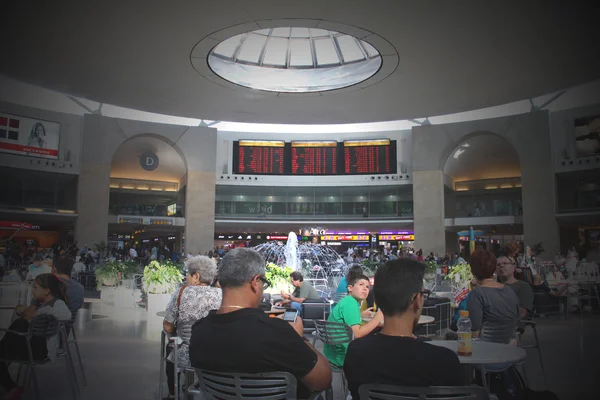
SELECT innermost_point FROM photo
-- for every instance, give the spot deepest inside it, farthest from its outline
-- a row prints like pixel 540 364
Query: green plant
pixel 369 267
pixel 129 269
pixel 430 267
pixel 161 278
pixel 459 275
pixel 537 249
pixel 279 278
pixel 107 274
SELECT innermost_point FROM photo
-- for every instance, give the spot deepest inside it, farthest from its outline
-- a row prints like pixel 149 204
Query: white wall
pixel 564 157
pixel 225 174
pixel 69 145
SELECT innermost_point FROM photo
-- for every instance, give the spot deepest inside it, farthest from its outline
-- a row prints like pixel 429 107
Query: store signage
pixel 396 238
pixel 149 161
pixel 130 220
pixel 346 238
pixel 161 221
pixel 311 231
pixel 396 233
pixel 276 237
pixel 333 243
pixel 15 225
pixel 29 137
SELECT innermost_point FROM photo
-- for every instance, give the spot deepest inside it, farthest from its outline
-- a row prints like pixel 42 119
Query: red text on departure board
pixel 260 160
pixel 367 160
pixel 314 161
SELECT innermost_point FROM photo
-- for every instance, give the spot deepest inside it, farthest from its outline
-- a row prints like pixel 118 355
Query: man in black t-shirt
pixel 395 356
pixel 240 337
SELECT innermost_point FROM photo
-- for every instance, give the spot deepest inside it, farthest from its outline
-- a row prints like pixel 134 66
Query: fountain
pixel 315 261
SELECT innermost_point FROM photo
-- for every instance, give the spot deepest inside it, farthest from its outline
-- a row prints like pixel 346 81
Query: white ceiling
pixel 484 156
pixel 126 161
pixel 453 56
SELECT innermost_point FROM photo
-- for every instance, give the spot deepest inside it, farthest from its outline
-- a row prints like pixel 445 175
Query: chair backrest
pixel 265 386
pixel 184 330
pixel 314 309
pixel 43 326
pixel 265 302
pixel 333 333
pixel 499 331
pixel 390 392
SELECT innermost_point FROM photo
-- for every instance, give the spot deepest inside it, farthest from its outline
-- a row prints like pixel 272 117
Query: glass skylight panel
pixel 263 32
pixel 251 48
pixel 300 55
pixel 281 32
pixel 276 52
pixel 326 54
pixel 227 47
pixel 349 49
pixel 315 32
pixel 300 33
pixel 372 51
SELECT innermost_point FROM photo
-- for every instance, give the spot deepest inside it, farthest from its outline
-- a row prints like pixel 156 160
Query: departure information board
pixel 369 157
pixel 259 157
pixel 314 158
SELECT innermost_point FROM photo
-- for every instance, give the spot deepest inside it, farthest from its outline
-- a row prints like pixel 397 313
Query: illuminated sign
pixel 346 238
pixel 333 243
pixel 162 221
pixel 269 237
pixel 130 220
pixel 396 238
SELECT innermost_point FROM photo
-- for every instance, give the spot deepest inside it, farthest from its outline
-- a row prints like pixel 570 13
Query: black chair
pixel 533 325
pixel 390 392
pixel 313 310
pixel 231 386
pixel 265 302
pixel 333 334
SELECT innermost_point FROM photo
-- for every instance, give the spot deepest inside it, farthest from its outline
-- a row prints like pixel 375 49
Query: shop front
pixel 396 240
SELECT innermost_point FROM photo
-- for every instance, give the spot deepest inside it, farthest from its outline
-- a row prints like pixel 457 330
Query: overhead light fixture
pixel 66 211
pixel 491 187
pixel 127 187
pixel 114 186
pixel 157 189
pixel 507 186
pixel 462 189
pixel 143 188
pixel 34 209
pixel 170 190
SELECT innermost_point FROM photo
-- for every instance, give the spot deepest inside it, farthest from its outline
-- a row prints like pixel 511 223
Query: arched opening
pixel 486 177
pixel 147 194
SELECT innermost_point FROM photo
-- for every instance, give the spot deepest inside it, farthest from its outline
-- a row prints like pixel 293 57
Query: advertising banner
pixel 28 136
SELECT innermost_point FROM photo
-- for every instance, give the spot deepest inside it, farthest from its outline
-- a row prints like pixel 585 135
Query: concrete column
pixel 94 191
pixel 199 146
pixel 428 195
pixel 200 212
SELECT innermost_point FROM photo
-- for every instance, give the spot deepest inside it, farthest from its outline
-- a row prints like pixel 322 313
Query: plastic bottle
pixel 465 343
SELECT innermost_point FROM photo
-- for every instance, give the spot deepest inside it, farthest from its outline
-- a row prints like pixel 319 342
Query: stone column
pixel 199 146
pixel 428 195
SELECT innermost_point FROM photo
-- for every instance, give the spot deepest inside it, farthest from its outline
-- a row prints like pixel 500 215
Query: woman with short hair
pixel 190 303
pixel 490 300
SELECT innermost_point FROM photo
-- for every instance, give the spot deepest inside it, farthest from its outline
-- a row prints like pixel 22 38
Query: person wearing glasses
pixel 506 274
pixel 395 356
pixel 240 337
pixel 191 302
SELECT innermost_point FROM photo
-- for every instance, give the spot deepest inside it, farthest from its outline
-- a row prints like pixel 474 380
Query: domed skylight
pixel 294 60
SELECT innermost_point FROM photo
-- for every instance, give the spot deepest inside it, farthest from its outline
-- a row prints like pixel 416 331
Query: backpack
pixel 510 385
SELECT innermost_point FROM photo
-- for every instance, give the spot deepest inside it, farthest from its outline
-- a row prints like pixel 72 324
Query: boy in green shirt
pixel 348 312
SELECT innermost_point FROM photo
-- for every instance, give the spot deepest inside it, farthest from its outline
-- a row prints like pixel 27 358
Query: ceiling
pixel 451 56
pixel 126 161
pixel 483 156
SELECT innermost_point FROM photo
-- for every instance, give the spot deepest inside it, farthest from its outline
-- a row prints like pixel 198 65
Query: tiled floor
pixel 121 355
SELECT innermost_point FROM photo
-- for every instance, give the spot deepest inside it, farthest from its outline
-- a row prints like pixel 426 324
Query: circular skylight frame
pixel 388 56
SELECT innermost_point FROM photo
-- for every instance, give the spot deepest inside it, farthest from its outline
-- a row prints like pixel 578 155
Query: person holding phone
pixel 348 312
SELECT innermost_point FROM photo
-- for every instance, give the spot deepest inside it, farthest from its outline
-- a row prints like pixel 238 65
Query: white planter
pixel 123 297
pixel 107 294
pixel 157 302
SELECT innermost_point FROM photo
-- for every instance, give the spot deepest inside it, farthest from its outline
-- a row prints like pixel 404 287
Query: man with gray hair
pixel 240 337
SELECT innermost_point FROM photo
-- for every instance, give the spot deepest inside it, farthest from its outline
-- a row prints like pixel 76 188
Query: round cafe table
pixel 423 319
pixel 485 352
pixel 275 311
pixel 161 314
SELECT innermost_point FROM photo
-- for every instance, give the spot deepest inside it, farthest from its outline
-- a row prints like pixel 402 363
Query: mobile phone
pixel 290 315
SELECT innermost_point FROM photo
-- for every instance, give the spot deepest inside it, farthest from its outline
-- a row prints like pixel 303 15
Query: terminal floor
pixel 120 349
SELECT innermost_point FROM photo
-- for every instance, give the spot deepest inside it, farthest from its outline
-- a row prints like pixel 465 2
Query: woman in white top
pixel 50 294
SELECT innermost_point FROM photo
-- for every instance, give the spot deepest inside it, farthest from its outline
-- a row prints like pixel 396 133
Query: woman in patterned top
pixel 189 304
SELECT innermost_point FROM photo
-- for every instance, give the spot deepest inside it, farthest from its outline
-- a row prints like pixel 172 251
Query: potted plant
pixel 279 278
pixel 160 281
pixel 460 277
pixel 124 292
pixel 107 278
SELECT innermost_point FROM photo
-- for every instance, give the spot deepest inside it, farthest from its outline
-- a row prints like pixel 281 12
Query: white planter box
pixel 157 302
pixel 107 294
pixel 124 297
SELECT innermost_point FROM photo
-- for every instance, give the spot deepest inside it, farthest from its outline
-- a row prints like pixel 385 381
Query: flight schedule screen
pixel 314 158
pixel 369 157
pixel 259 157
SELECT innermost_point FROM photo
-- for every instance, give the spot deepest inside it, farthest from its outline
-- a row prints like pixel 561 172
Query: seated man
pixel 348 312
pixel 304 291
pixel 75 291
pixel 506 274
pixel 240 337
pixel 395 356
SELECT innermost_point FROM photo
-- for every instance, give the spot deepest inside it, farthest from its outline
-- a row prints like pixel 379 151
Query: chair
pixel 313 310
pixel 333 334
pixel 70 333
pixel 43 326
pixel 389 392
pixel 184 334
pixel 337 297
pixel 531 323
pixel 229 386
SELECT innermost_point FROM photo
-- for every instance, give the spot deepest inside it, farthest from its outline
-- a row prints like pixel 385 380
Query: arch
pixel 481 155
pixel 172 161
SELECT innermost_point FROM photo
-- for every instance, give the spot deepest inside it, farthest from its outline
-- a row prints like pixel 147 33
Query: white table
pixel 423 319
pixel 161 314
pixel 486 352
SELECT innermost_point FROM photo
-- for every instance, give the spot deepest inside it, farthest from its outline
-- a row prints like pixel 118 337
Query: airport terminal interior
pixel 142 141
